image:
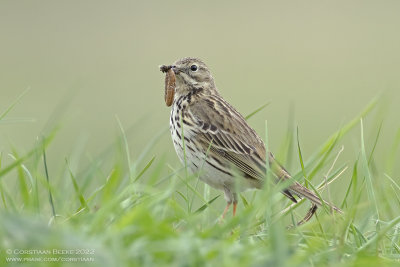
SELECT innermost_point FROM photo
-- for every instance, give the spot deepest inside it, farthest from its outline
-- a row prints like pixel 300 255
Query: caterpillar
pixel 169 84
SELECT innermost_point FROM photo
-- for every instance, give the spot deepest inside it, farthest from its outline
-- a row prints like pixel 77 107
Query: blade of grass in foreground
pixel 391 159
pixel 276 232
pixel 381 234
pixel 23 185
pixel 145 169
pixel 189 187
pixel 38 147
pixel 374 146
pixel 256 111
pixel 77 189
pixel 127 151
pixel 206 205
pixel 48 182
pixel 301 159
pixel 353 183
pixel 112 183
pixel 12 105
pixel 367 174
pixel 338 135
pixel 285 151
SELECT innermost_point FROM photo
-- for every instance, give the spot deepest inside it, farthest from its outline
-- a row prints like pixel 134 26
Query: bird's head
pixel 192 74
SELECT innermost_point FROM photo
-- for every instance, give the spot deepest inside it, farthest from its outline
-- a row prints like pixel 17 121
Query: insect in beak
pixel 169 83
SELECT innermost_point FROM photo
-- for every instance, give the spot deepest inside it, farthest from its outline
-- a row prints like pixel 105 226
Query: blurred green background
pixel 87 62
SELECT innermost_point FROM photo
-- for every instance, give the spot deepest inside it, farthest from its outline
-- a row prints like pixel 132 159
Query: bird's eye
pixel 193 68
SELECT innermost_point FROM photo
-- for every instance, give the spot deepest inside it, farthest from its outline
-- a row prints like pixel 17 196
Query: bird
pixel 213 139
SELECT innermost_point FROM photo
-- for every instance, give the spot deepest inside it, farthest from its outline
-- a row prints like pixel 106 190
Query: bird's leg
pixel 235 201
pixel 228 204
pixel 230 198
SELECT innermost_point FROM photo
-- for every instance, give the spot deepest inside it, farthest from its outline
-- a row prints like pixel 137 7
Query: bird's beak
pixel 165 68
pixel 175 69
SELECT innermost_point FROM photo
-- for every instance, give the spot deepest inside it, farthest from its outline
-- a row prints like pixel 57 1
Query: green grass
pixel 120 211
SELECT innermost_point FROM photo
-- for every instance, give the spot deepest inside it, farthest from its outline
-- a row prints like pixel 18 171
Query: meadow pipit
pixel 219 144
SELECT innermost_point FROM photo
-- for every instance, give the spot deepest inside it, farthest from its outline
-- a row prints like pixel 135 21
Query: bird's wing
pixel 231 138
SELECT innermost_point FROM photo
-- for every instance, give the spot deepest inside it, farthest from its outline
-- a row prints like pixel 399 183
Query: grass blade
pixel 374 146
pixel 144 169
pixel 367 174
pixel 77 189
pixel 301 159
pixel 206 205
pixel 256 111
pixel 53 210
pixel 11 106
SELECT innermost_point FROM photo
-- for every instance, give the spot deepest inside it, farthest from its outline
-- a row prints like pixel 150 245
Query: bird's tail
pixel 302 191
pixel 296 188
